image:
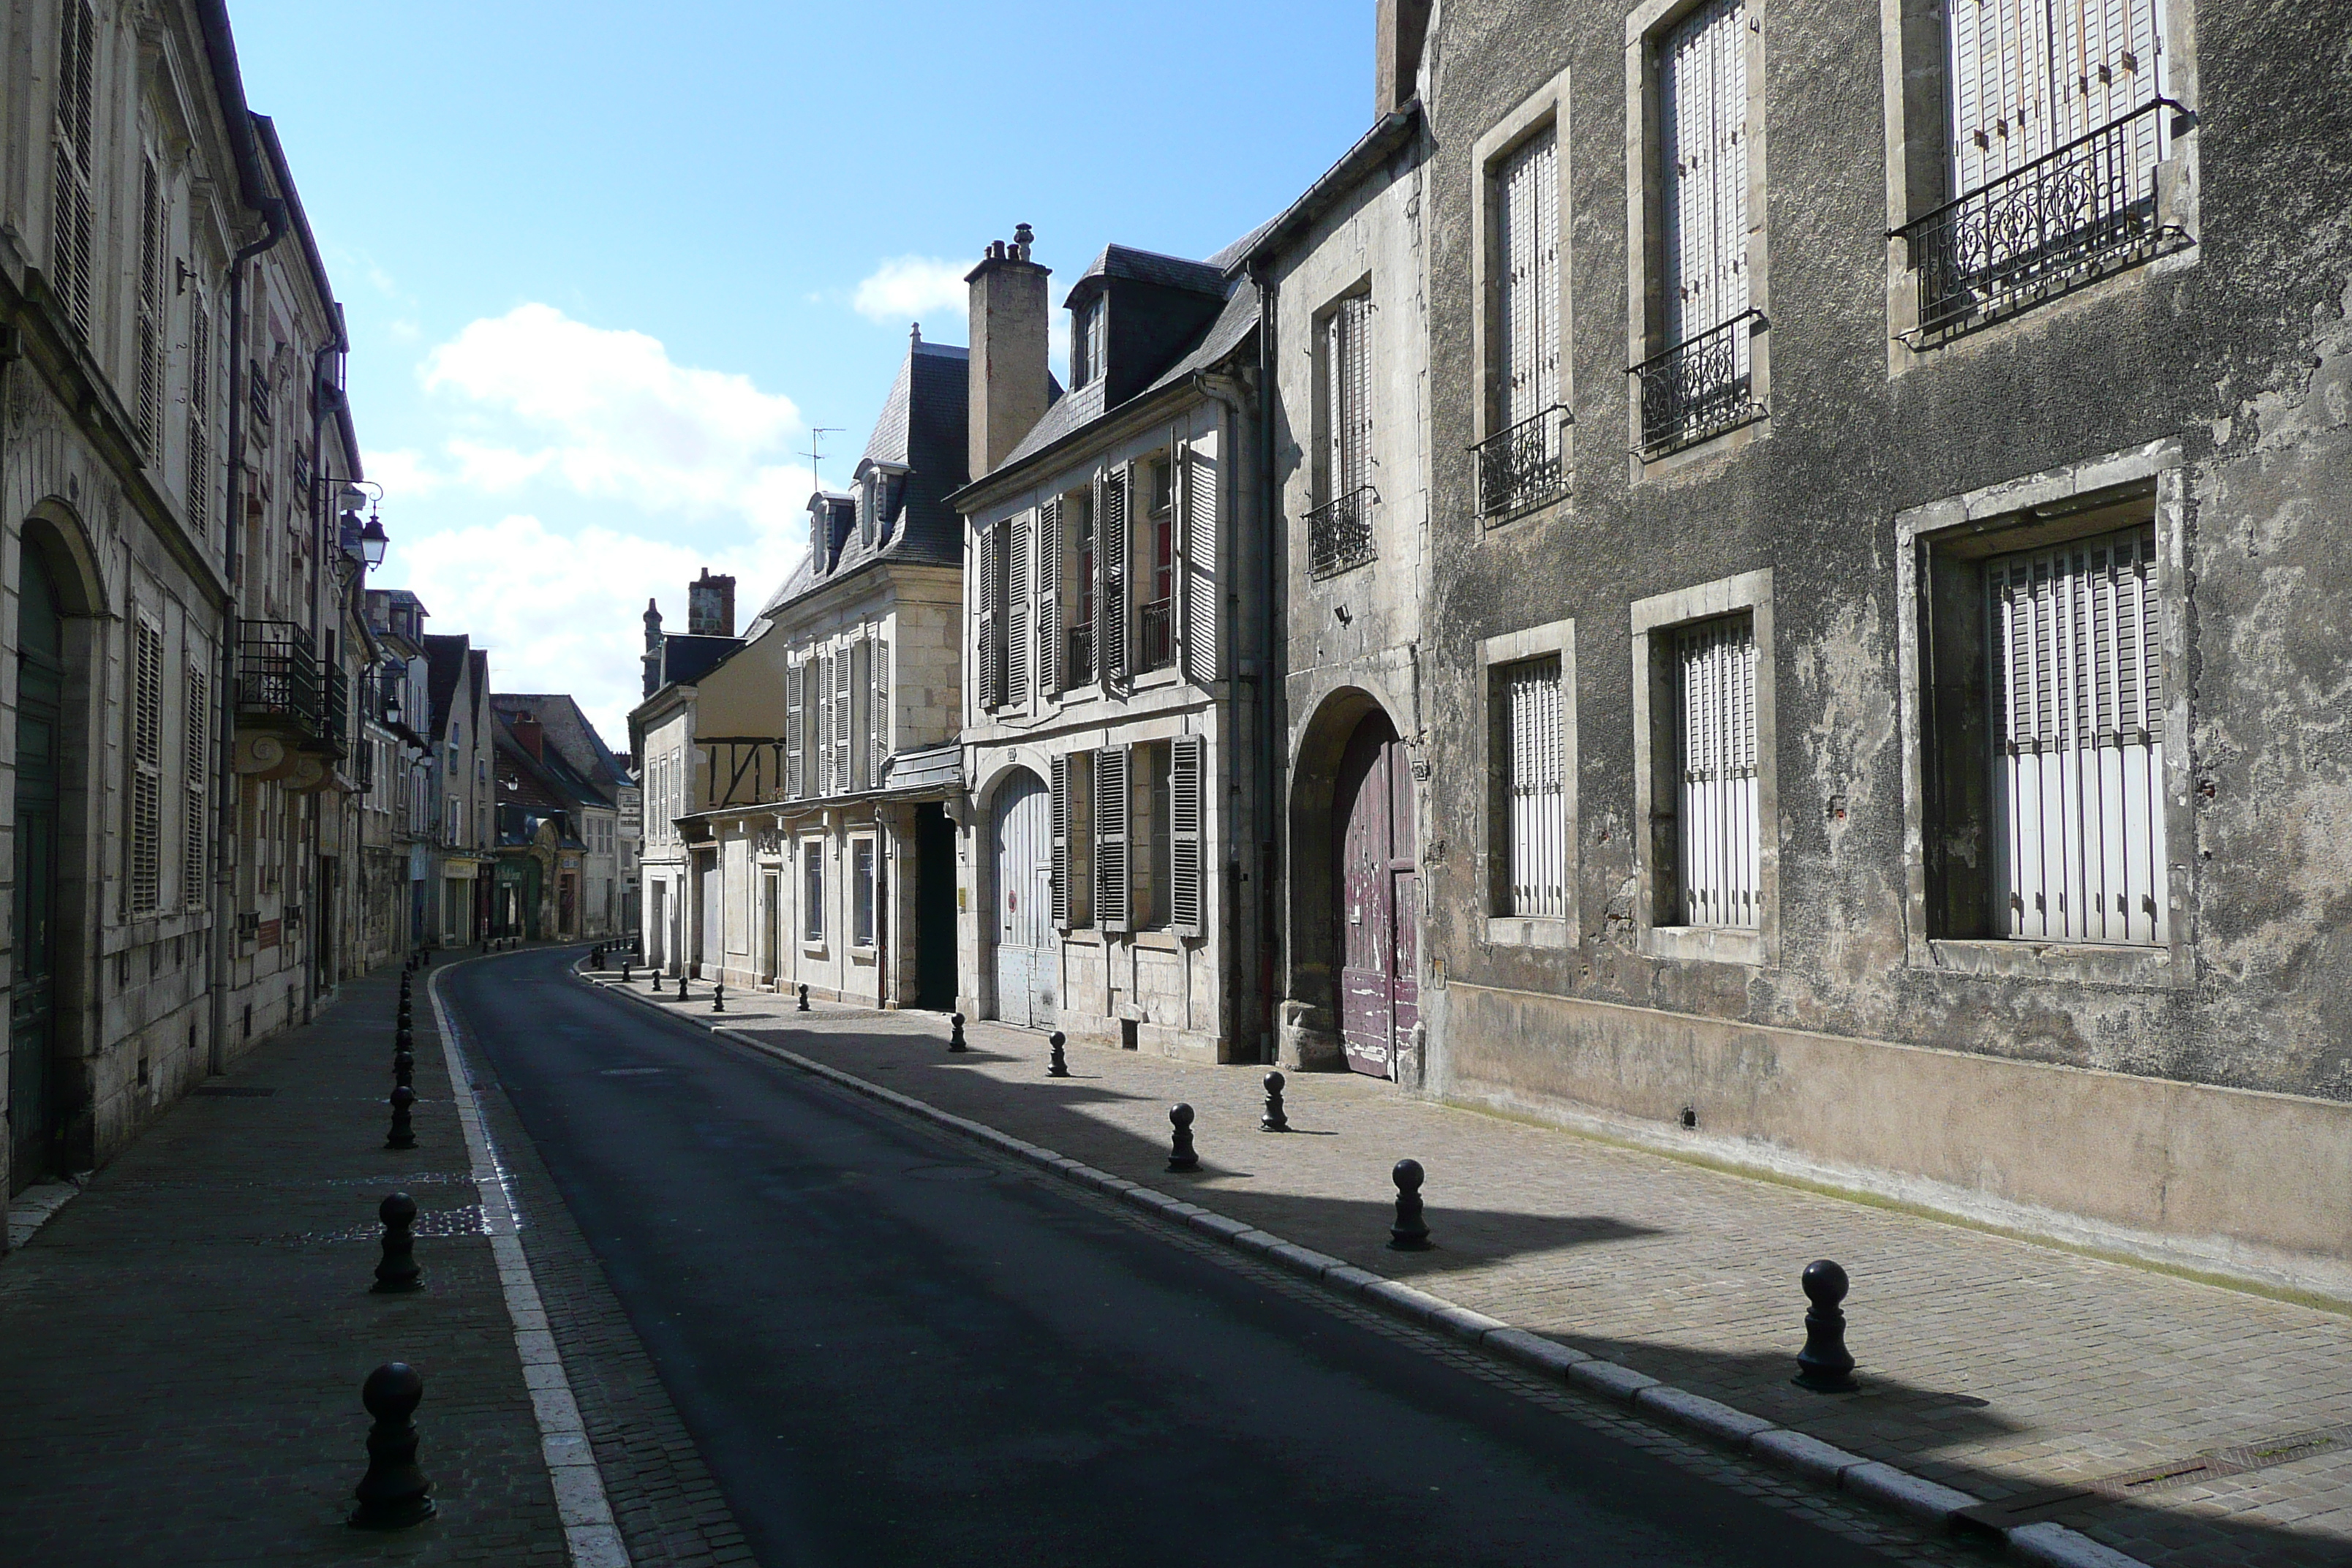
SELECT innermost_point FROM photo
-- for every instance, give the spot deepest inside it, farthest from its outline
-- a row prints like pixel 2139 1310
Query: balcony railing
pixel 1079 657
pixel 1525 466
pixel 336 732
pixel 1339 532
pixel 1159 628
pixel 278 673
pixel 1698 388
pixel 2079 213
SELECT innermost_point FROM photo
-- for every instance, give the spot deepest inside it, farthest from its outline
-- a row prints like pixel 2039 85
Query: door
pixel 711 929
pixel 935 908
pixel 1378 887
pixel 32 1043
pixel 771 929
pixel 1025 956
pixel 657 931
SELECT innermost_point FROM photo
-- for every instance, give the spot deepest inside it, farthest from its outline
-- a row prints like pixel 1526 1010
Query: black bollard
pixel 1410 1232
pixel 1180 1147
pixel 803 1007
pixel 402 1040
pixel 624 971
pixel 1273 1121
pixel 404 1132
pixel 600 955
pixel 403 1069
pixel 398 1271
pixel 682 987
pixel 394 1494
pixel 1824 1365
pixel 1059 1067
pixel 719 997
pixel 955 1033
pixel 656 981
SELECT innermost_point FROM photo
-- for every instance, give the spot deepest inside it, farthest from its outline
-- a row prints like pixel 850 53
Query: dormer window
pixel 1086 342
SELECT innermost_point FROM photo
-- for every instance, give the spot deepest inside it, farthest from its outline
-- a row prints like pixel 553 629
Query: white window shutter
pixel 1059 785
pixel 1016 628
pixel 1527 214
pixel 2030 76
pixel 1349 395
pixel 880 719
pixel 1110 804
pixel 821 743
pixel 844 780
pixel 1716 678
pixel 795 730
pixel 1537 781
pixel 1186 853
pixel 1703 107
pixel 1198 536
pixel 1049 599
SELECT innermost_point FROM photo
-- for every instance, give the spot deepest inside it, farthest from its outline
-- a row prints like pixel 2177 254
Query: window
pixel 1080 667
pixel 796 682
pixel 813 892
pixel 1532 774
pixel 1702 381
pixel 1157 623
pixel 150 304
pixel 1148 835
pixel 1524 462
pixel 1110 589
pixel 1340 528
pixel 862 888
pixel 146 867
pixel 196 759
pixel 1071 787
pixel 878 715
pixel 1113 910
pixel 1017 574
pixel 73 215
pixel 200 414
pixel 1187 855
pixel 993 545
pixel 1715 695
pixel 1086 342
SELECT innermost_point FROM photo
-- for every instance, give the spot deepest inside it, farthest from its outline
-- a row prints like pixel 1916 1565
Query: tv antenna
pixel 817 433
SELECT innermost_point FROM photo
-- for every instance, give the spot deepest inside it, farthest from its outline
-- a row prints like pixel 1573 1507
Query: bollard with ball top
pixel 1058 1066
pixel 955 1033
pixel 803 1007
pixel 398 1272
pixel 1411 1232
pixel 1180 1156
pixel 403 1130
pixel 624 971
pixel 394 1494
pixel 656 981
pixel 1273 1121
pixel 719 997
pixel 403 1068
pixel 682 987
pixel 1824 1365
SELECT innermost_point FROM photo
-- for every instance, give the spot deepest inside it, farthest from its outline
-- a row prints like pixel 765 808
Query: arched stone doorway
pixel 34 1098
pixel 1028 967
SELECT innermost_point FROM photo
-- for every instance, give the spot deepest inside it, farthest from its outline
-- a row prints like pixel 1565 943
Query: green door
pixel 32 1033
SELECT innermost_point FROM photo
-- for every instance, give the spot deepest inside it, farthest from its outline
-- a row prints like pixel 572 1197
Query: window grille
pixel 1537 781
pixel 146 767
pixel 73 219
pixel 2079 757
pixel 1715 691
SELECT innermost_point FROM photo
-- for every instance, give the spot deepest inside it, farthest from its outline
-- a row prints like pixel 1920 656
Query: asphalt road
pixel 891 1350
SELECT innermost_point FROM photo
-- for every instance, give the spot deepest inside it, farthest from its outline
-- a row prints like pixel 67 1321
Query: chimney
pixel 653 656
pixel 1398 30
pixel 710 606
pixel 1009 378
pixel 529 735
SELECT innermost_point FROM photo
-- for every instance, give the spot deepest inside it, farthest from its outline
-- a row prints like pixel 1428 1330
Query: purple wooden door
pixel 1379 1000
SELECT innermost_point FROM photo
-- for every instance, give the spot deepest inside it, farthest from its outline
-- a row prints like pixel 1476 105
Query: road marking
pixel 588 1532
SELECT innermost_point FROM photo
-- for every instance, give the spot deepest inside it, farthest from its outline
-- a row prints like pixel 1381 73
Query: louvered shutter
pixel 197 762
pixel 151 305
pixel 1715 673
pixel 1110 569
pixel 795 730
pixel 1703 93
pixel 1527 214
pixel 880 725
pixel 1199 541
pixel 1351 396
pixel 1538 789
pixel 2079 761
pixel 200 414
pixel 1049 599
pixel 990 666
pixel 2030 76
pixel 146 869
pixel 1018 578
pixel 844 780
pixel 1058 786
pixel 1187 858
pixel 821 742
pixel 1110 838
pixel 73 219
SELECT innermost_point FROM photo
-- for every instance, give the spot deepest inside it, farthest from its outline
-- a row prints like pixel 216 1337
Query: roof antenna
pixel 817 433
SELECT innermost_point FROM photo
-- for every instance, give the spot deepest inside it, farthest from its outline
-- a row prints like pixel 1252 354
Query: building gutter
pixel 1145 408
pixel 1391 132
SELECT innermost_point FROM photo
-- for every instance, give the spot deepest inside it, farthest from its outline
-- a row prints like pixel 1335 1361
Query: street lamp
pixel 361 544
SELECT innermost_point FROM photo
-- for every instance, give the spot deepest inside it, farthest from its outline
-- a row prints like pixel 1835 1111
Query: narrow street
pixel 891 1349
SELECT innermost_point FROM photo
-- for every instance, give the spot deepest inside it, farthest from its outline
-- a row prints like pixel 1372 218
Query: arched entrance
pixel 33 1100
pixel 1379 896
pixel 1027 966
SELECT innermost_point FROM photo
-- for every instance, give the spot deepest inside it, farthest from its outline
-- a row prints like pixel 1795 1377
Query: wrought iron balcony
pixel 1158 627
pixel 1339 532
pixel 336 730
pixel 1079 657
pixel 1525 466
pixel 1700 387
pixel 278 675
pixel 2071 215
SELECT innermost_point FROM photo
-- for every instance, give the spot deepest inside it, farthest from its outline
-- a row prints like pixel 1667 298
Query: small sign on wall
pixel 963 899
pixel 270 931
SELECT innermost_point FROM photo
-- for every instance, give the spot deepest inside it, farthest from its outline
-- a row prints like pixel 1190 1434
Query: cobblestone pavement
pixel 1994 1365
pixel 182 1347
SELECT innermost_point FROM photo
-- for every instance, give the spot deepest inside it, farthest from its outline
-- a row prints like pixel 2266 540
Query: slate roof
pixel 546 779
pixel 921 431
pixel 686 659
pixel 568 731
pixel 445 657
pixel 1148 266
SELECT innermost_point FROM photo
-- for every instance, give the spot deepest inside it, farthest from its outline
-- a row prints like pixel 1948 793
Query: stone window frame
pixel 1915 85
pixel 1645 26
pixel 1653 621
pixel 2012 506
pixel 812 855
pixel 872 888
pixel 1547 106
pixel 1494 654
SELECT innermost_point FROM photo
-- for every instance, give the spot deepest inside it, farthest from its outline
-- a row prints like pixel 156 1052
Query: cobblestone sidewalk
pixel 2216 1424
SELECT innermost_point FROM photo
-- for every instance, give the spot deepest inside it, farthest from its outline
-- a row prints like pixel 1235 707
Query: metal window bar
pixel 1719 829
pixel 1537 780
pixel 1700 387
pixel 2071 216
pixel 1339 532
pixel 1157 625
pixel 1525 466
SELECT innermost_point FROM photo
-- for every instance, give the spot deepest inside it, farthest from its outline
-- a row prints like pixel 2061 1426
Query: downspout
pixel 273 217
pixel 316 919
pixel 1229 394
pixel 1270 749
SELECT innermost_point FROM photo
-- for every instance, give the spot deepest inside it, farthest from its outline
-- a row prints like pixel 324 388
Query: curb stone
pixel 1880 1484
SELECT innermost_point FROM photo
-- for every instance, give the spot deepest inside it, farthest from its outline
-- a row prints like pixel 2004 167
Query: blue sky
pixel 607 264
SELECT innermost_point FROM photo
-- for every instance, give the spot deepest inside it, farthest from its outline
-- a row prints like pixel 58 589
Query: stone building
pixel 401 795
pixel 550 820
pixel 670 781
pixel 460 794
pixel 173 448
pixel 1119 624
pixel 1935 627
pixel 594 780
pixel 823 851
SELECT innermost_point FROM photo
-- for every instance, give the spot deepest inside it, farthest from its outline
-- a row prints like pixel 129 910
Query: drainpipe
pixel 273 217
pixel 1271 749
pixel 316 919
pixel 1230 395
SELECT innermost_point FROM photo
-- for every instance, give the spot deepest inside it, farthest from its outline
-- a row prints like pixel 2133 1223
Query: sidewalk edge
pixel 1870 1480
pixel 592 1536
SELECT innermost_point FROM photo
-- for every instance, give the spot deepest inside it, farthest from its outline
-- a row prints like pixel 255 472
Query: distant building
pixel 591 783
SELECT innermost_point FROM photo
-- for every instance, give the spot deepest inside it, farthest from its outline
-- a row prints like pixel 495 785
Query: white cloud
pixel 909 287
pixel 609 415
pixel 562 612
